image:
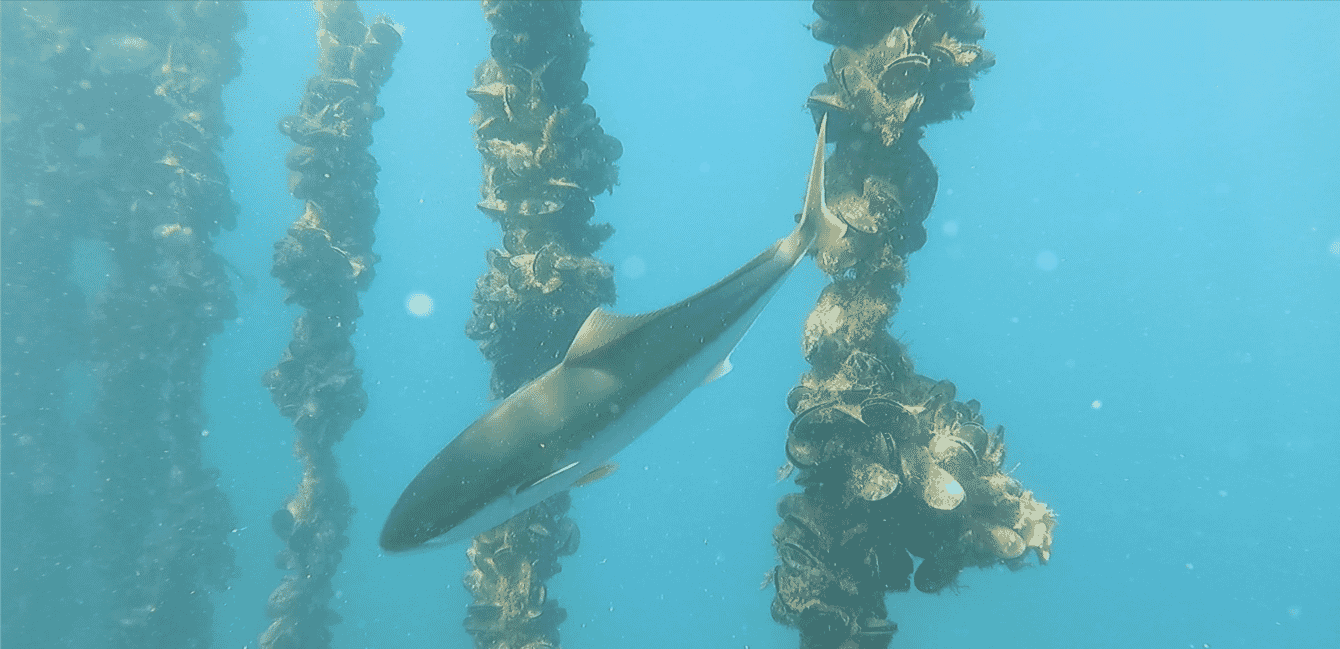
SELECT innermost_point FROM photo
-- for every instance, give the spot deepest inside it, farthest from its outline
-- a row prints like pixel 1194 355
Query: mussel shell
pixel 797 396
pixel 477 582
pixel 804 421
pixel 810 433
pixel 824 99
pixel 887 415
pixel 975 437
pixel 916 461
pixel 942 490
pixel 883 448
pixel 843 56
pixel 483 618
pixel 821 347
pixel 949 449
pixel 508 561
pixel 798 557
pixel 1033 534
pixel 1004 542
pixel 997 444
pixel 934 574
pixel 941 394
pixel 486 566
pixel 974 407
pixel 795 505
pixel 802 512
pixel 282 522
pixel 283 600
pixel 876 629
pixel 780 613
pixel 872 481
pixel 857 212
pixel 803 453
pixel 905 75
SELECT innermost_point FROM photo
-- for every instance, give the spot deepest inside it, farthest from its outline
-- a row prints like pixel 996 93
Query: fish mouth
pixel 403 547
pixel 404 531
pixel 413 525
pixel 404 539
pixel 396 540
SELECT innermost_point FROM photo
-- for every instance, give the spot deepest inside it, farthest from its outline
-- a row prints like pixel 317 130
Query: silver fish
pixel 620 376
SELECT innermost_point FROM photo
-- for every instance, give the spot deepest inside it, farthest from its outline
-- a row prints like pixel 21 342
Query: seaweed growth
pixel 545 157
pixel 891 465
pixel 323 263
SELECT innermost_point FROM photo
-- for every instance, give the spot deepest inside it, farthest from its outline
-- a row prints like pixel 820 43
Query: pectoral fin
pixel 600 472
pixel 550 476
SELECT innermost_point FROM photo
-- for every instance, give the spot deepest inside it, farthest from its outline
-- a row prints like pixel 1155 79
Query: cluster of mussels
pixel 896 67
pixel 323 262
pixel 922 471
pixel 891 465
pixel 510 565
pixel 545 157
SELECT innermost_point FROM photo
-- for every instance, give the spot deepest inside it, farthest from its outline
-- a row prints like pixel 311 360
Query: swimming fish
pixel 620 376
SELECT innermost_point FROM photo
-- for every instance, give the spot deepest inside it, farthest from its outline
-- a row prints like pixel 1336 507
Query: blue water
pixel 1133 263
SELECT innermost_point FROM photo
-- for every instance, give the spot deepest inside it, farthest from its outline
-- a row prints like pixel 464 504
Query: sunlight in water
pixel 419 304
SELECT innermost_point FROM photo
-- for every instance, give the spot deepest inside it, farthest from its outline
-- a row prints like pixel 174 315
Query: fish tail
pixel 819 227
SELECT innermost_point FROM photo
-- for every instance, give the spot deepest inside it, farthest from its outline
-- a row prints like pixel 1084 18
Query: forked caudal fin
pixel 819 228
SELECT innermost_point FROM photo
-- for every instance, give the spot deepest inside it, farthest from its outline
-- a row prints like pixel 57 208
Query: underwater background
pixel 1133 263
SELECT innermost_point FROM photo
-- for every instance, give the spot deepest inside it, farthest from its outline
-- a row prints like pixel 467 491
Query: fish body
pixel 620 376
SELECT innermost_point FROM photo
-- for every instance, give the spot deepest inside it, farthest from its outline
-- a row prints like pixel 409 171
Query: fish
pixel 621 374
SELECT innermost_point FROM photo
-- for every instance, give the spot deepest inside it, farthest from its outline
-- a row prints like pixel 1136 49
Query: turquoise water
pixel 1133 263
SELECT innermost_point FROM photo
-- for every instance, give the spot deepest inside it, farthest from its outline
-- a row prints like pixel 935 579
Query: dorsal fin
pixel 600 329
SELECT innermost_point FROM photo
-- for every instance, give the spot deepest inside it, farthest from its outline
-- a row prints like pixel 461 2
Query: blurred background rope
pixel 114 109
pixel 46 333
